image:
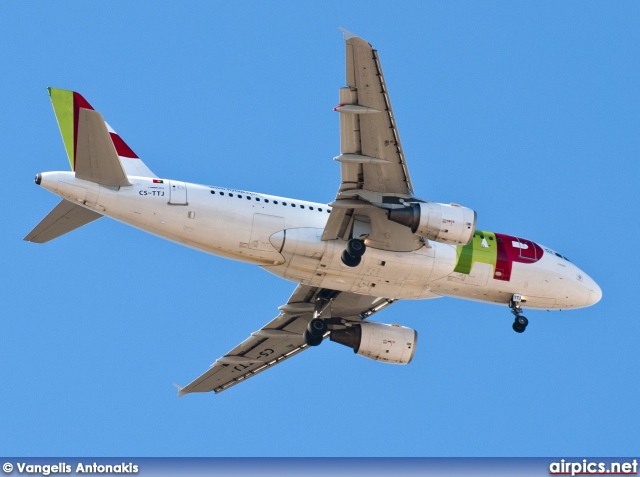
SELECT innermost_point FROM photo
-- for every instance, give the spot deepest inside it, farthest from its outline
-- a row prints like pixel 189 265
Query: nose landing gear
pixel 521 322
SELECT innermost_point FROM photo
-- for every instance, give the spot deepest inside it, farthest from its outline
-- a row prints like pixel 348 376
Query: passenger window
pixel 293 205
pixel 284 203
pixel 239 196
pixel 275 201
pixel 319 209
pixel 258 199
pixel 221 193
pixel 302 206
pixel 248 198
pixel 230 194
pixel 310 208
pixel 266 200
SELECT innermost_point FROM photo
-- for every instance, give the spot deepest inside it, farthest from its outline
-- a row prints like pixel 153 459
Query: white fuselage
pixel 284 237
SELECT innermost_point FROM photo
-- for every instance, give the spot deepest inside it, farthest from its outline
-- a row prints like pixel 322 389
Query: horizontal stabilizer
pixel 96 157
pixel 65 217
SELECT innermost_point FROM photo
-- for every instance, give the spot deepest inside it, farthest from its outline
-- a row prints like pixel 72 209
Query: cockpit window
pixel 561 256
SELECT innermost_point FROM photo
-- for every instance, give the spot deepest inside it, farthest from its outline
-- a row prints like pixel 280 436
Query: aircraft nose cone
pixel 595 294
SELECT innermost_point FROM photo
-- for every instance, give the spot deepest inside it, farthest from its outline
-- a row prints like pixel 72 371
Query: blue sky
pixel 526 112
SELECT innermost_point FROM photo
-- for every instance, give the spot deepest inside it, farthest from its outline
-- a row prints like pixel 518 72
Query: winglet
pixel 180 390
pixel 347 34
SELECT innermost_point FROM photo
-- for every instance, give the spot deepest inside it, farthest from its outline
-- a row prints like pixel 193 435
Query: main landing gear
pixel 352 255
pixel 521 322
pixel 315 331
pixel 318 327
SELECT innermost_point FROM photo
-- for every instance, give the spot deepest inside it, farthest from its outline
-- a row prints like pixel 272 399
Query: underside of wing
pixel 65 217
pixel 370 149
pixel 374 173
pixel 283 337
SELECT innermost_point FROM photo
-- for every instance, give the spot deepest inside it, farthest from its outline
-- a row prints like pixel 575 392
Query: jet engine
pixel 393 344
pixel 452 224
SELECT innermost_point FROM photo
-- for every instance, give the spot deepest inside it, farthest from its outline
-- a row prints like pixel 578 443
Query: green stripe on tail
pixel 62 101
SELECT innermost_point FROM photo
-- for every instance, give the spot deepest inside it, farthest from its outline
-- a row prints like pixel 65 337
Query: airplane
pixel 375 244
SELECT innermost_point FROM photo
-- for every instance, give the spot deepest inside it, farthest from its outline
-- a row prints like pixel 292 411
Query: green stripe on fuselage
pixel 475 252
pixel 62 101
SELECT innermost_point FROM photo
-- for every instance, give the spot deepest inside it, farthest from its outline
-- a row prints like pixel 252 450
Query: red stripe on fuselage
pixel 503 264
pixel 524 251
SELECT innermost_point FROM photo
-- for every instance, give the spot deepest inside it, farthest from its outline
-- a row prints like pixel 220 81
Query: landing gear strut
pixel 352 255
pixel 521 322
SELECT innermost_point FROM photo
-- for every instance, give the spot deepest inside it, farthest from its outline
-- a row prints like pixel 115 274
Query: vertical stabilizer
pixel 67 106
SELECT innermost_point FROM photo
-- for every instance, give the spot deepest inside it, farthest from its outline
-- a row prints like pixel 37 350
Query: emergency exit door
pixel 177 193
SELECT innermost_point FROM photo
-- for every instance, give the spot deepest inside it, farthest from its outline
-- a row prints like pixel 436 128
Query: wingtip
pixel 180 390
pixel 347 34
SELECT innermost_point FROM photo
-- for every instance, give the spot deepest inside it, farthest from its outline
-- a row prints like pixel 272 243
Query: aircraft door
pixel 177 193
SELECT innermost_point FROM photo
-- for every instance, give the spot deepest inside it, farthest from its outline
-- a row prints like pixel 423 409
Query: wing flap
pixel 65 217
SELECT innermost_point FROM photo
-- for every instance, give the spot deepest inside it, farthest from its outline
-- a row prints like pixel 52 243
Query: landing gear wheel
pixel 317 328
pixel 356 247
pixel 520 324
pixel 311 340
pixel 350 260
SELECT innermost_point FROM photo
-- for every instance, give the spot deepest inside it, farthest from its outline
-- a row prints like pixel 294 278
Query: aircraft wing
pixel 282 337
pixel 374 171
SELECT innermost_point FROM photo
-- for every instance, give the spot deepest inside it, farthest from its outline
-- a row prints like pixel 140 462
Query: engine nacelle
pixel 452 224
pixel 393 344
